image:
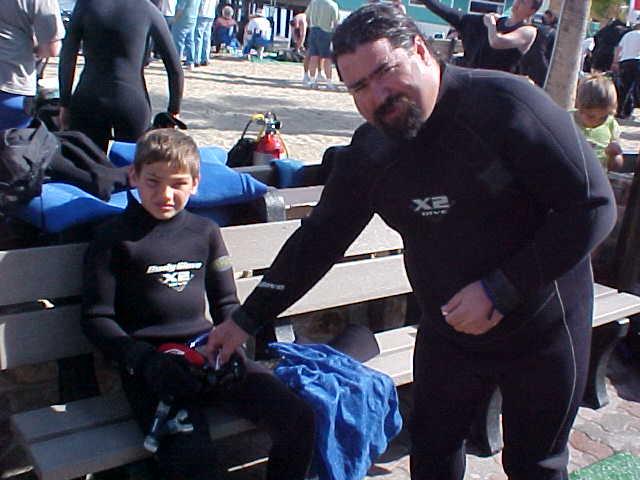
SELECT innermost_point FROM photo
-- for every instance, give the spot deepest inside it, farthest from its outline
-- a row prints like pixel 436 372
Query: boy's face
pixel 164 190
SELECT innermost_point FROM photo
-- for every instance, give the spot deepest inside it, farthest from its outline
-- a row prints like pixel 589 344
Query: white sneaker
pixel 331 86
pixel 321 79
pixel 306 81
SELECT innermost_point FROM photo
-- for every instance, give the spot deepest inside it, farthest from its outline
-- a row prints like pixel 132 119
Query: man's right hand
pixel 224 339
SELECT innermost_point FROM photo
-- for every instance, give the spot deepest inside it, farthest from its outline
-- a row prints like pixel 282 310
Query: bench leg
pixel 603 341
pixel 485 438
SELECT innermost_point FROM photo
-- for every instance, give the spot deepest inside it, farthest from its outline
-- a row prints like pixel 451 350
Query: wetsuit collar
pixel 136 212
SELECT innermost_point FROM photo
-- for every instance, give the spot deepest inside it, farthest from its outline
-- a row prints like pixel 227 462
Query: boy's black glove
pixel 167 375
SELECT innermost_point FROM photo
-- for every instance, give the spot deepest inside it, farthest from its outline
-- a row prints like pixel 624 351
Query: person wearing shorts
pixel 322 18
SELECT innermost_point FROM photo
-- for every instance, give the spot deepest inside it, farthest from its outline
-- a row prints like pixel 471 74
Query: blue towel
pixel 356 408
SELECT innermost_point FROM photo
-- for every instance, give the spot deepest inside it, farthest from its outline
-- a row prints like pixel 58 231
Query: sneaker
pixel 321 79
pixel 306 81
pixel 331 86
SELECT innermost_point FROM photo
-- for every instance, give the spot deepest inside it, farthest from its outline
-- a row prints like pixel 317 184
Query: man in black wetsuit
pixel 499 201
pixel 489 41
pixel 146 276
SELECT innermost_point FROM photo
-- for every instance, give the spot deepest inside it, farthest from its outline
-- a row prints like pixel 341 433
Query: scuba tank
pixel 269 145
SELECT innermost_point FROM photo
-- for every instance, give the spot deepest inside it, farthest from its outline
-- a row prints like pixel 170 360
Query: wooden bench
pixel 39 322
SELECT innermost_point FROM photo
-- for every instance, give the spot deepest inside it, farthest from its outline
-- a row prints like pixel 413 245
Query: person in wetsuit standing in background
pixel 111 93
pixel 490 41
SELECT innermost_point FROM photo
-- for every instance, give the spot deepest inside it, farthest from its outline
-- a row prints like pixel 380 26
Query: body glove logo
pixel 175 275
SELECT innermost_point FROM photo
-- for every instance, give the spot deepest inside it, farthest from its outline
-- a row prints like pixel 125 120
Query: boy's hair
pixel 597 91
pixel 170 146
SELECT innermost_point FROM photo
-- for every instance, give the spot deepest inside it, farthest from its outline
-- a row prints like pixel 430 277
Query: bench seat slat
pixel 615 307
pixel 396 339
pixel 44 423
pixel 88 451
pixel 397 364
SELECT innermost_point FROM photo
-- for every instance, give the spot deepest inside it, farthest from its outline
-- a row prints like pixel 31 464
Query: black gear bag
pixel 25 154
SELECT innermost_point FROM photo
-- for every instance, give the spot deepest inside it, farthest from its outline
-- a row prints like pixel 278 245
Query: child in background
pixel 146 275
pixel 596 103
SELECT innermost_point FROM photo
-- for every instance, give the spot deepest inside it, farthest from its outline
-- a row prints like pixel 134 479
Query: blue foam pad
pixel 289 172
pixel 62 206
pixel 221 185
pixel 121 154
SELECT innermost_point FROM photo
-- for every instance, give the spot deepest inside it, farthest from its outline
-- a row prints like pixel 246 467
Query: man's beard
pixel 406 125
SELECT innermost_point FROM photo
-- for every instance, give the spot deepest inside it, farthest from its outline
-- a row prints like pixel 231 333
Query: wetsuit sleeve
pixel 452 16
pixel 98 302
pixel 341 214
pixel 164 45
pixel 551 160
pixel 69 53
pixel 220 284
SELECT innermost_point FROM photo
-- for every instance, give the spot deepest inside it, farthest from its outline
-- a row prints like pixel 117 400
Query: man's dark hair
pixel 372 22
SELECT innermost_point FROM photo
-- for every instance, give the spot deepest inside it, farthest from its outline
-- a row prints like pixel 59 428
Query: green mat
pixel 621 466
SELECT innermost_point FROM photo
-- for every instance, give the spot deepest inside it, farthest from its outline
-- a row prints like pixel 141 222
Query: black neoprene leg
pixel 446 391
pixel 268 402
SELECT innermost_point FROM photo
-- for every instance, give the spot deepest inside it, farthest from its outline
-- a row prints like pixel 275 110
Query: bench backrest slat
pixel 254 247
pixel 43 272
pixel 49 334
pixel 30 336
pixel 56 272
pixel 40 336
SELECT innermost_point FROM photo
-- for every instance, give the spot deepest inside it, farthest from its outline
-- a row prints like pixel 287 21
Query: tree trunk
pixel 567 53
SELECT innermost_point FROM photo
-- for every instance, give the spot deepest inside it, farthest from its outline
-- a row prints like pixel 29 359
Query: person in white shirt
pixel 206 15
pixel 257 34
pixel 29 30
pixel 626 61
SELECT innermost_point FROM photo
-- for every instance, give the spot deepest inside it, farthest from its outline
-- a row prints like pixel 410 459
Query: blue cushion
pixel 221 185
pixel 289 172
pixel 62 206
pixel 121 154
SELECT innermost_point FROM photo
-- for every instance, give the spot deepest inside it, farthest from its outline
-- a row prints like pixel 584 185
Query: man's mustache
pixel 388 105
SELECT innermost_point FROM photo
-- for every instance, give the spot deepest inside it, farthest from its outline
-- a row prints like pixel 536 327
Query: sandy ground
pixel 220 98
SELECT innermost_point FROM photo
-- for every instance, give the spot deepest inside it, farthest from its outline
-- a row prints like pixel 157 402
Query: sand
pixel 220 98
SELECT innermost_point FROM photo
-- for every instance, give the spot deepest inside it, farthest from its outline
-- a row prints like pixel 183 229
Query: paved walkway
pixel 597 434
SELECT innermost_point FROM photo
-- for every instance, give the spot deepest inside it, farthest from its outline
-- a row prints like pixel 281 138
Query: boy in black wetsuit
pixel 146 276
pixel 499 201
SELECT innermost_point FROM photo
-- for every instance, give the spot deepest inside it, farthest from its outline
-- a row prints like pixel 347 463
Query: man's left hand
pixel 471 311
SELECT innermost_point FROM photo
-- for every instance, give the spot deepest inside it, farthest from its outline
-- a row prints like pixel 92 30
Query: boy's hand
pixel 224 339
pixel 471 311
